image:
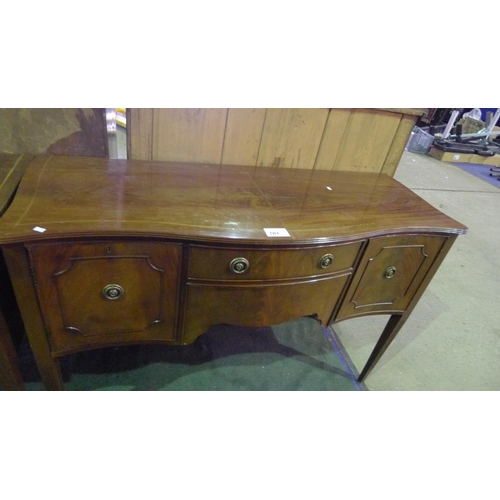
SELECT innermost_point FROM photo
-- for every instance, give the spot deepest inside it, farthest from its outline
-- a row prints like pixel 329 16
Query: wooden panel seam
pixel 224 137
pixel 331 122
pixel 396 150
pixel 321 139
pixel 344 141
pixel 261 136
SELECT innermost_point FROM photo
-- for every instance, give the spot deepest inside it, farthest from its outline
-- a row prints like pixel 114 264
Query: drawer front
pixel 93 294
pixel 390 273
pixel 259 305
pixel 249 264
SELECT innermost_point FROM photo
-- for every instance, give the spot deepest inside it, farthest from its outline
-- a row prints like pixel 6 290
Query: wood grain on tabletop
pixel 90 196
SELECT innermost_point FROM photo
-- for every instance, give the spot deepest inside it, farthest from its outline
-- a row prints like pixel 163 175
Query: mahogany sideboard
pixel 110 252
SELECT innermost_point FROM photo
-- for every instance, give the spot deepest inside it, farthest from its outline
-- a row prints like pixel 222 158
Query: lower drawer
pixel 259 305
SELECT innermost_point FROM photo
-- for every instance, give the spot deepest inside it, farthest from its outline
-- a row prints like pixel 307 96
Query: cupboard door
pixel 389 274
pixel 103 293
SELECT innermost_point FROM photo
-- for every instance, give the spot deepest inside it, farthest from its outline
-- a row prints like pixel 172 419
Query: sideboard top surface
pixel 85 197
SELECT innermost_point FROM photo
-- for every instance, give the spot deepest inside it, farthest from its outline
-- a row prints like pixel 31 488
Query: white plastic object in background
pixel 475 114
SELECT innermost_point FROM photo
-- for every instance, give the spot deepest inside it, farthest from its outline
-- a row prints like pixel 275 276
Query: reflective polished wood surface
pixel 89 197
pixel 112 252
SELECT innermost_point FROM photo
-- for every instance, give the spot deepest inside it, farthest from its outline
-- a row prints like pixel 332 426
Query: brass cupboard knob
pixel 325 261
pixel 112 292
pixel 390 272
pixel 239 265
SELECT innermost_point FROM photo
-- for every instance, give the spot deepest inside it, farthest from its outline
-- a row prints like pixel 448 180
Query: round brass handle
pixel 239 265
pixel 325 261
pixel 112 292
pixel 389 272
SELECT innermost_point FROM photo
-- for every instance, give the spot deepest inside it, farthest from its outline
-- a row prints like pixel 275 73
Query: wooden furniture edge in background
pixel 12 168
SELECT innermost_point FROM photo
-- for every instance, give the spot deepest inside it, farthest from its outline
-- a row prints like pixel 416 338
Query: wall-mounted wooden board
pixel 188 134
pixel 141 122
pixel 371 140
pixel 366 141
pixel 291 137
pixel 243 136
pixel 333 137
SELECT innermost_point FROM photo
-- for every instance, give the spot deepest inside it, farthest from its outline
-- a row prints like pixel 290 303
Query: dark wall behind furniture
pixel 58 131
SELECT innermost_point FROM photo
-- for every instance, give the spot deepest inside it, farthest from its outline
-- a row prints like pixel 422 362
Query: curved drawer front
pixel 248 264
pixel 259 304
pixel 390 273
pixel 107 292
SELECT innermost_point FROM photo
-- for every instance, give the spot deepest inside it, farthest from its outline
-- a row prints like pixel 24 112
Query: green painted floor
pixel 294 356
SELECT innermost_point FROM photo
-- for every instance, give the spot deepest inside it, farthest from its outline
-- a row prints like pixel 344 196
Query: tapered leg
pixel 390 331
pixel 397 321
pixel 10 376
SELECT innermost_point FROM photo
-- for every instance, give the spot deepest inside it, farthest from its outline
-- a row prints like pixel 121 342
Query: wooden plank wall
pixel 370 140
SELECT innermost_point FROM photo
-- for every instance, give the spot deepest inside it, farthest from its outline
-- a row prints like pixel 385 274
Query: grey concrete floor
pixel 452 339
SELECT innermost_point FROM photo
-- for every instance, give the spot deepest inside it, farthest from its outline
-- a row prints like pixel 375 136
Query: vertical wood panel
pixel 291 137
pixel 367 140
pixel 140 133
pixel 189 135
pixel 243 135
pixel 398 144
pixel 333 136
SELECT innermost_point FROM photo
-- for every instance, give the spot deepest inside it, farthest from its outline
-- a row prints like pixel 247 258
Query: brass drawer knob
pixel 239 265
pixel 112 292
pixel 389 272
pixel 325 261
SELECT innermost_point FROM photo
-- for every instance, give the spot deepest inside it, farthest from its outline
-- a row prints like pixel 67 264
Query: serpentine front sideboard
pixel 111 252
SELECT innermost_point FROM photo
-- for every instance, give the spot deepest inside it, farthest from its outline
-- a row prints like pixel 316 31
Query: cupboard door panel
pixel 390 273
pixel 107 292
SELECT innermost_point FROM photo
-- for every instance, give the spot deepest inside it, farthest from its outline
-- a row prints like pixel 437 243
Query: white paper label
pixel 39 229
pixel 276 232
pixel 456 157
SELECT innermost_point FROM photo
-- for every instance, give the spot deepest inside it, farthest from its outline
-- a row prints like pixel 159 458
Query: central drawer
pixel 222 264
pixel 258 287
